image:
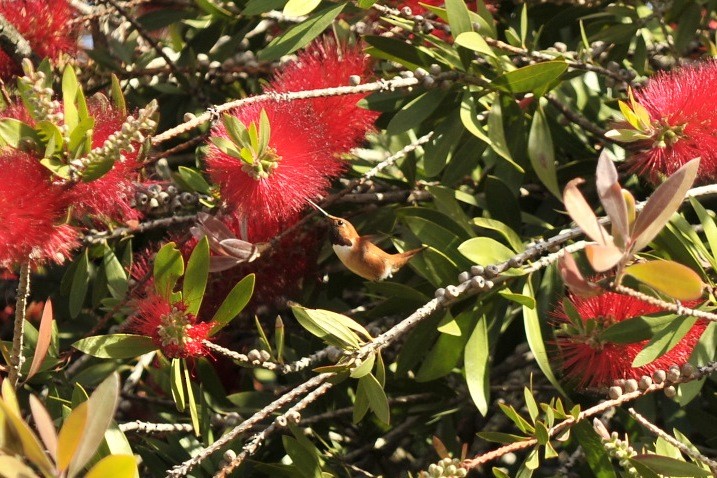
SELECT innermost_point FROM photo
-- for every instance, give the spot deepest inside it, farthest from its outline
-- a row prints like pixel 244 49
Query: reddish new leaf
pixel 663 203
pixel 603 258
pixel 43 339
pixel 573 278
pixel 583 215
pixel 611 197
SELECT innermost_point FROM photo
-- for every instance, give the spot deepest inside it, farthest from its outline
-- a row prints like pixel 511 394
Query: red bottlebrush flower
pixel 46 25
pixel 32 210
pixel 295 166
pixel 324 64
pixel 592 362
pixel 110 196
pixel 683 117
pixel 175 331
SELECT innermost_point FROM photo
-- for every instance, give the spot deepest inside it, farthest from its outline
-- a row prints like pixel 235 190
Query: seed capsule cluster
pixel 671 377
pixel 447 467
pixel 161 199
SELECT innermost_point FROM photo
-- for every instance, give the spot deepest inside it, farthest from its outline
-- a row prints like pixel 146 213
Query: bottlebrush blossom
pixel 176 332
pixel 46 25
pixel 683 117
pixel 32 211
pixel 592 362
pixel 110 196
pixel 296 165
pixel 324 64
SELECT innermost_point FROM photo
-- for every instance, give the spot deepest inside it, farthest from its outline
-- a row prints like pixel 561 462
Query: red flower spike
pixel 108 197
pixel 592 362
pixel 324 64
pixel 298 166
pixel 46 25
pixel 32 210
pixel 176 332
pixel 683 114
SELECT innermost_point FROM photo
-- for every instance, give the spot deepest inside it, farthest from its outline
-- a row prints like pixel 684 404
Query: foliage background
pixel 514 110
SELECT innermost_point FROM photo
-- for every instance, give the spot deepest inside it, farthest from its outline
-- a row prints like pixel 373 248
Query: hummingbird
pixel 359 254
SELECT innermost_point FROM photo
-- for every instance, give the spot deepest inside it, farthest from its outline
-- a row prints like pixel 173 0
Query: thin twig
pixel 677 308
pixel 248 424
pixel 292 414
pixel 100 237
pixel 16 356
pixel 694 454
pixel 214 112
pixel 578 119
pixel 146 427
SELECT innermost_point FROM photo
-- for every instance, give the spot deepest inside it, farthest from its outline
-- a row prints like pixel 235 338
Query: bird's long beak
pixel 318 208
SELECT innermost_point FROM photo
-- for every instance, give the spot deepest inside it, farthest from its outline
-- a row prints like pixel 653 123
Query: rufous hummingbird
pixel 359 254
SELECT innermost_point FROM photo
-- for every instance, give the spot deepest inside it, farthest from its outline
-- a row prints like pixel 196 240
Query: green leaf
pixel 301 34
pixel 542 153
pixel 500 437
pixel 361 405
pixel 439 151
pixel 115 346
pixel 669 277
pixel 534 335
pixel 191 402
pixel 115 273
pixel 365 367
pixel 176 384
pixel 195 278
pixel 417 110
pixel 70 90
pixel 496 132
pixel 101 407
pixel 168 268
pixel 194 180
pixel 234 303
pixel 324 324
pixel 299 8
pixel 13 132
pixel 669 466
pixel 477 365
pixel 447 351
pixel 534 78
pixel 80 282
pixel 595 455
pixel 510 235
pixel 474 41
pixel 485 251
pixel 709 228
pixel 458 17
pixel 118 96
pixel 636 329
pixel 664 340
pixel 378 402
pixel 306 460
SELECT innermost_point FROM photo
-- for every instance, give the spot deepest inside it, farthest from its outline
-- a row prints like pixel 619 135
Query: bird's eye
pixel 340 223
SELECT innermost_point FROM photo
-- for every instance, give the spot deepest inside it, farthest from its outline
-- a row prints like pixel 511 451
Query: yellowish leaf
pixel 70 435
pixel 670 278
pixel 30 444
pixel 44 425
pixel 116 466
pixel 11 467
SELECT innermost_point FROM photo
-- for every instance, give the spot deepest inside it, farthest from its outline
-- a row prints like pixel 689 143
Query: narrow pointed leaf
pixel 168 267
pixel 663 203
pixel 233 304
pixel 43 339
pixel 195 278
pixel 101 408
pixel 611 196
pixel 44 425
pixel 583 215
pixel 70 435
